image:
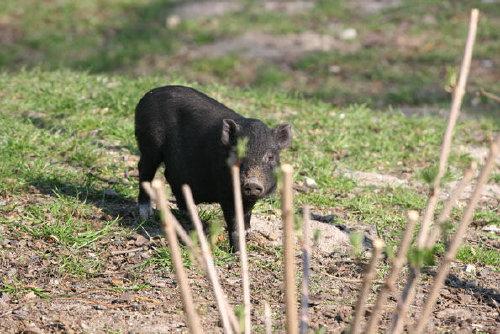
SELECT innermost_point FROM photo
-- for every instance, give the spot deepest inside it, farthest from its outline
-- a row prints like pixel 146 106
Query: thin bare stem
pixel 290 289
pixel 458 237
pixel 149 190
pixel 232 317
pixel 409 290
pixel 219 294
pixel 428 215
pixel 268 318
pixel 195 252
pixel 435 231
pixel 405 301
pixel 167 220
pixel 306 259
pixel 245 277
pixel 371 271
pixel 454 112
pixel 397 265
pixel 178 228
pixel 492 96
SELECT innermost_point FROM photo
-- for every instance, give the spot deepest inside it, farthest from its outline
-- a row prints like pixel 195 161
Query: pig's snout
pixel 253 188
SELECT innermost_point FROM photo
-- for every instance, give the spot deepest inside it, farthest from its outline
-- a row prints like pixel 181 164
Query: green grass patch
pixel 79 266
pixel 17 289
pixel 479 255
pixel 405 50
pixel 70 136
pixel 162 259
pixel 486 217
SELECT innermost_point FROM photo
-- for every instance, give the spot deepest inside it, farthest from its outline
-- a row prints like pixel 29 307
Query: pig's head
pixel 262 153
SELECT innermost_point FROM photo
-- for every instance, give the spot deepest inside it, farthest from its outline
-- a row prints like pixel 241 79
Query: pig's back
pixel 177 110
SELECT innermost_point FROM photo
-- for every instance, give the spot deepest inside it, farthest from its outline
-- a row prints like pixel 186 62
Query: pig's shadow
pixel 114 206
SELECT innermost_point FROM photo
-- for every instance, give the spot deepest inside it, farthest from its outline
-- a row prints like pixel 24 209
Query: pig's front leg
pixel 232 226
pixel 232 231
pixel 247 215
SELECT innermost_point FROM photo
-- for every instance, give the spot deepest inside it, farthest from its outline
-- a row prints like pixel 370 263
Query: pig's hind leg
pixel 148 164
pixel 179 200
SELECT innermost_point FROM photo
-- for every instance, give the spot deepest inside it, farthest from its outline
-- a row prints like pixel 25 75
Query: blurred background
pixel 386 53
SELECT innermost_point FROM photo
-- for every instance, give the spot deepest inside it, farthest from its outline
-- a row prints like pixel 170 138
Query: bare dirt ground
pixel 267 46
pixel 491 192
pixel 112 301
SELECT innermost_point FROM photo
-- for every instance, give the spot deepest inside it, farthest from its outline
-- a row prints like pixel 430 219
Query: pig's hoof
pixel 145 211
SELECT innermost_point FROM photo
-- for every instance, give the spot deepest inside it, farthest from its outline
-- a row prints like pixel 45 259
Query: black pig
pixel 194 135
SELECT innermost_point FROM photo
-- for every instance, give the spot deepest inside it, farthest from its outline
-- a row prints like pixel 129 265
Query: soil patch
pixel 126 296
pixel 373 7
pixel 201 9
pixel 288 47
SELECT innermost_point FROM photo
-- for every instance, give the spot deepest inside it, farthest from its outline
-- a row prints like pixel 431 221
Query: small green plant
pixel 429 174
pixel 419 258
pixel 451 79
pixel 216 229
pixel 162 259
pixel 16 288
pixel 8 288
pixel 79 266
pixel 241 148
pixel 356 239
pixel 239 311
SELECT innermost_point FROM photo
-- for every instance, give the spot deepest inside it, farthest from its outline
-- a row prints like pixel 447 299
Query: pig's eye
pixel 270 158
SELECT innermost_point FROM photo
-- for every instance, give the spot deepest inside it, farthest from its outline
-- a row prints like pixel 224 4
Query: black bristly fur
pixel 193 135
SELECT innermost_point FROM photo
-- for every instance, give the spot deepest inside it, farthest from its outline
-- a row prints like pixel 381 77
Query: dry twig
pixel 290 289
pixel 220 296
pixel 454 112
pixel 489 95
pixel 397 265
pixel 404 301
pixel 127 251
pixel 409 291
pixel 306 259
pixel 370 273
pixel 178 228
pixel 168 224
pixel 268 318
pixel 435 231
pixel 444 268
pixel 245 277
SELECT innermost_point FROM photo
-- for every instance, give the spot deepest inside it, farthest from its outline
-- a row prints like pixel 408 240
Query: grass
pixel 18 289
pixel 404 57
pixel 69 135
pixel 70 84
pixel 163 260
pixel 72 72
pixel 479 255
pixel 65 220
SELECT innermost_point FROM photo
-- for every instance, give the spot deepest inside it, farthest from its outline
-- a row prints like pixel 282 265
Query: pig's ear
pixel 229 132
pixel 283 135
